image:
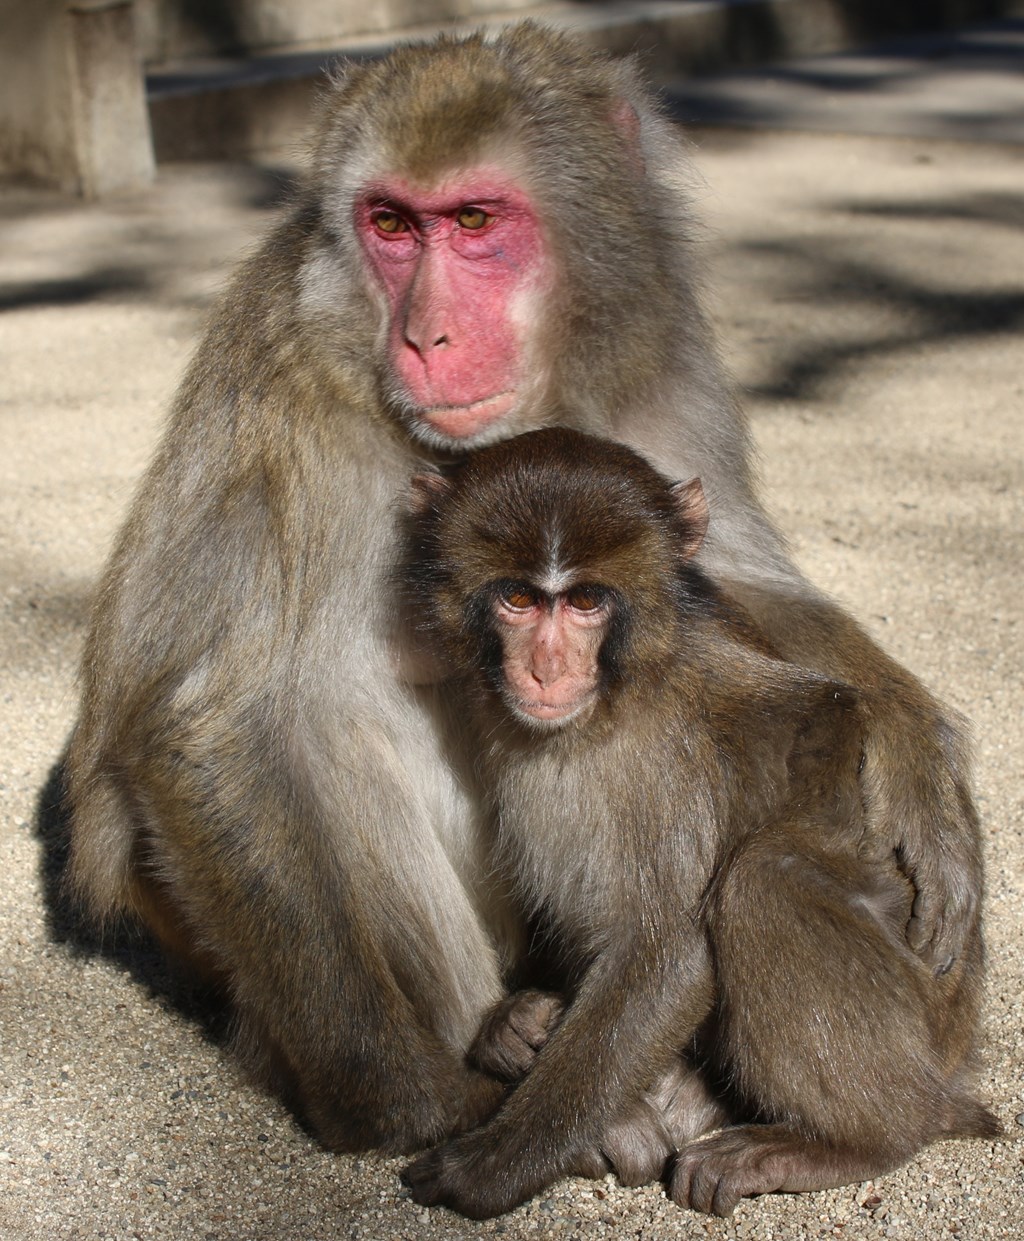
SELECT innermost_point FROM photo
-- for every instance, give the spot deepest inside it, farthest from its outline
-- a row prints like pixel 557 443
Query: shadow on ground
pixel 932 314
pixel 139 247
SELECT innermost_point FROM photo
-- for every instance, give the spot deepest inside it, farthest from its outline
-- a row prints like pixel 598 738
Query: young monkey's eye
pixel 585 598
pixel 390 222
pixel 520 598
pixel 474 218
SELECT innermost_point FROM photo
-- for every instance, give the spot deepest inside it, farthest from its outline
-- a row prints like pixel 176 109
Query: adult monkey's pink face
pixel 462 266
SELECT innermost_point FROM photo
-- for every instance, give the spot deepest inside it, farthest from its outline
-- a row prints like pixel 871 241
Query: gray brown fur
pixel 255 772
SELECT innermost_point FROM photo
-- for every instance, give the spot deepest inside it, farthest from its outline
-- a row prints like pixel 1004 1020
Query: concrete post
pixel 72 99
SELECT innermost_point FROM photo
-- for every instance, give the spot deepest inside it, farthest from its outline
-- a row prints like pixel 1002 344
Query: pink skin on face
pixel 451 262
pixel 550 653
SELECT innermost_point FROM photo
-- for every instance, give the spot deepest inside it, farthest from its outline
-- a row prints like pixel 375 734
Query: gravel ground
pixel 870 293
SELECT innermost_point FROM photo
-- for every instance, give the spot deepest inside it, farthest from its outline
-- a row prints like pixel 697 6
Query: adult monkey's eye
pixel 390 222
pixel 474 218
pixel 585 598
pixel 520 598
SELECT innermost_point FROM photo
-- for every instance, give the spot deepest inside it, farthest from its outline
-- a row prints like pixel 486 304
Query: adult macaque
pixel 684 812
pixel 263 770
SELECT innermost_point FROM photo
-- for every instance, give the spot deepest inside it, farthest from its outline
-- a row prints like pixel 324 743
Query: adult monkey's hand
pixel 916 776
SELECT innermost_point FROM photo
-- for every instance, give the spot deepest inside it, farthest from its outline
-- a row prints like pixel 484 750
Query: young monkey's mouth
pixel 550 715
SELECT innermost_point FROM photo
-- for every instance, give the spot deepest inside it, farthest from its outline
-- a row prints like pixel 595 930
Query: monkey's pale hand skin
pixel 473 1175
pixel 514 1031
pixel 712 1175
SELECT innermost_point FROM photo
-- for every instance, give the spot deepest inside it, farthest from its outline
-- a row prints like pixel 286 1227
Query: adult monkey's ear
pixel 626 121
pixel 694 516
pixel 425 489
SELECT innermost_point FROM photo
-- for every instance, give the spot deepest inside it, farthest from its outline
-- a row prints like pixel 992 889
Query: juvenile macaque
pixel 262 770
pixel 684 810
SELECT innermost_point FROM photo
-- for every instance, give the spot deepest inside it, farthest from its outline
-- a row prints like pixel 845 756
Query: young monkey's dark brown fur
pixel 684 810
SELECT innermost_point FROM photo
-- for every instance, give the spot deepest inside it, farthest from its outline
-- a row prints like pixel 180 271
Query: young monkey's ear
pixel 692 508
pixel 425 489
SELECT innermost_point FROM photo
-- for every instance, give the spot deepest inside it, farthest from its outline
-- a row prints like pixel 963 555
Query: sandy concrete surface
pixel 870 294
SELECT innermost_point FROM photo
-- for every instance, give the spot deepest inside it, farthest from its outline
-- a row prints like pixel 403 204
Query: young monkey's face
pixel 550 644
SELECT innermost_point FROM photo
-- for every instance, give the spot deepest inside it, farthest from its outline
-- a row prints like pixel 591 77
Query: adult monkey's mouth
pixel 465 421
